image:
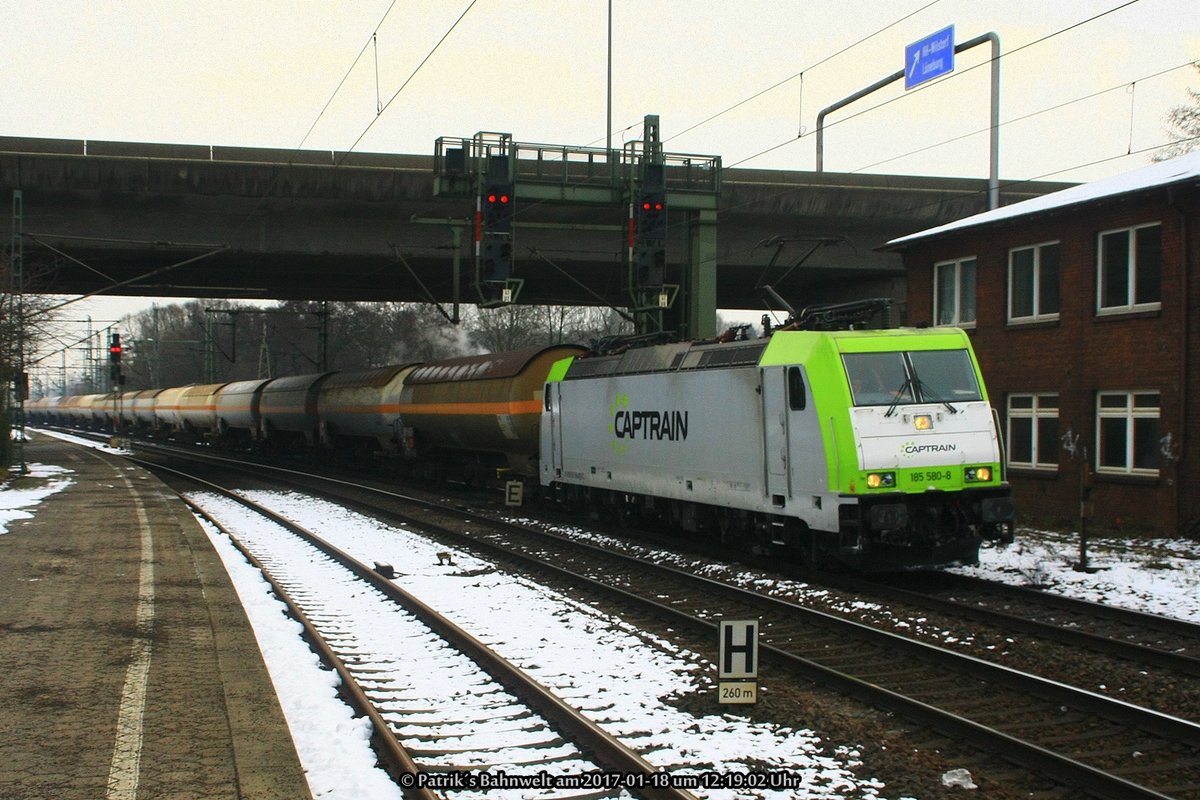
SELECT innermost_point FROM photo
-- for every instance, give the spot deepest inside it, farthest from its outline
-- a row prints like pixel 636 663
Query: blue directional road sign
pixel 929 58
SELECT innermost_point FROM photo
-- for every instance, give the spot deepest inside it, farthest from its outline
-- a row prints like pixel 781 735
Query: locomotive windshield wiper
pixel 931 397
pixel 904 389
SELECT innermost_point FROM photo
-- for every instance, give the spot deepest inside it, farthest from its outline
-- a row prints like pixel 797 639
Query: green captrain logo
pixel 627 424
pixel 617 406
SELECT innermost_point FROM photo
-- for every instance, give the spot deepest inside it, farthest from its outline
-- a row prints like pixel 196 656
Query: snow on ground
pixel 20 502
pixel 1158 577
pixel 333 745
pixel 1155 576
pixel 567 644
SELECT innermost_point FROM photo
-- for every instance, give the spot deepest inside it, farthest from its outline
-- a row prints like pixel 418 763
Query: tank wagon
pixel 239 418
pixel 479 413
pixel 871 449
pixel 360 411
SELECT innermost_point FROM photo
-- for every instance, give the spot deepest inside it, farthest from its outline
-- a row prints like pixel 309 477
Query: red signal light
pixel 115 350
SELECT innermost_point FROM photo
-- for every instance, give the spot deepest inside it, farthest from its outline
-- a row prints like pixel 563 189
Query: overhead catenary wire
pixel 380 108
pixel 370 40
pixel 1043 176
pixel 1006 185
pixel 935 145
pixel 952 76
pixel 780 83
pixel 407 81
pixel 800 74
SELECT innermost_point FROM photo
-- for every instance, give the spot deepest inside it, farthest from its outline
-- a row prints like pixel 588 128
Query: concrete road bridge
pixel 128 218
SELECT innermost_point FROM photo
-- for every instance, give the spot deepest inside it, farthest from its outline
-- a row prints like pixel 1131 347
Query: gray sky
pixel 259 73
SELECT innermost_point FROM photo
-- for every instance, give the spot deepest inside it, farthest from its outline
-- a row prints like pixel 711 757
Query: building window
pixel 954 292
pixel 1129 269
pixel 1033 431
pixel 1127 433
pixel 1033 283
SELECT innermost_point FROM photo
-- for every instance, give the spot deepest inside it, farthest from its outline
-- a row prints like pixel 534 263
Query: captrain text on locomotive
pixel 866 449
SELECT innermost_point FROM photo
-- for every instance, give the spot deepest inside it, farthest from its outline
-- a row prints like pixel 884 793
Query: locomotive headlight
pixel 881 480
pixel 923 422
pixel 978 474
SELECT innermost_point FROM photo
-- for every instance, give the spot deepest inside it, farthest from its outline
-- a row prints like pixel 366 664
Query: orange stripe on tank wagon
pixel 483 409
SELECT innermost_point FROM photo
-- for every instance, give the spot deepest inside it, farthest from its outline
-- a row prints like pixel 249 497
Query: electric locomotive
pixel 867 449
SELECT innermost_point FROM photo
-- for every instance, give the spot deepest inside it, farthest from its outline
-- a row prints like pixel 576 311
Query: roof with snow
pixel 1163 173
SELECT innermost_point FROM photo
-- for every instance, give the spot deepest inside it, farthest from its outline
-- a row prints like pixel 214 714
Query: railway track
pixel 1149 640
pixel 1086 742
pixel 1104 747
pixel 501 730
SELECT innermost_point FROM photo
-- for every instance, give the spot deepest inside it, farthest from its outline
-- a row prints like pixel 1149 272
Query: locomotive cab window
pixel 795 389
pixel 944 376
pixel 877 379
pixel 922 376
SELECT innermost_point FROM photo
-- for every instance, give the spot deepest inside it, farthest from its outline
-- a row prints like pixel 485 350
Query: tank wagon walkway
pixel 130 669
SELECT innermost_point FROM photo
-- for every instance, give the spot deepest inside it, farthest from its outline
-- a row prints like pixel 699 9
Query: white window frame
pixel 1037 315
pixel 1038 410
pixel 1130 413
pixel 1131 275
pixel 957 320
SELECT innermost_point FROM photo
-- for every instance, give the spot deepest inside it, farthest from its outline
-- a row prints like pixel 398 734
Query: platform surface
pixel 129 668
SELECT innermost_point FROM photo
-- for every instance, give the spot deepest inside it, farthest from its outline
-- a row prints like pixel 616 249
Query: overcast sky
pixel 259 74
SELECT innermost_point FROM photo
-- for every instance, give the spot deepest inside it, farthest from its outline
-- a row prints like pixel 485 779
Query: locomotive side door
pixel 775 434
pixel 551 434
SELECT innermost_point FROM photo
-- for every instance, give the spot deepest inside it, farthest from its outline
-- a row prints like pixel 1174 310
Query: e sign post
pixel 929 58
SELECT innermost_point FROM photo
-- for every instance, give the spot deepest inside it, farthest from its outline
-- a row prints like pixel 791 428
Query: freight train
pixel 870 450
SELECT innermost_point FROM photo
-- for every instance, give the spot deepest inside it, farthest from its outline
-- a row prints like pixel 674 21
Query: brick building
pixel 1083 309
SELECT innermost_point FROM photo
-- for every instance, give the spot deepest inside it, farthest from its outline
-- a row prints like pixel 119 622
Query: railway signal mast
pixel 495 208
pixel 649 254
pixel 116 381
pixel 497 204
pixel 116 377
pixel 624 193
pixel 647 251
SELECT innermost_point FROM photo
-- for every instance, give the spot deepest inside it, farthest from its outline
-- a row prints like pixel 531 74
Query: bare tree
pixel 496 330
pixel 1183 126
pixel 517 327
pixel 24 326
pixel 192 342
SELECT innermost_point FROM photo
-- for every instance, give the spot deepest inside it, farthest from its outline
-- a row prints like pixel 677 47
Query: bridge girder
pixel 321 225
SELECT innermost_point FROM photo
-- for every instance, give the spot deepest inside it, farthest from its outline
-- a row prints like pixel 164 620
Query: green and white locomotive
pixel 867 449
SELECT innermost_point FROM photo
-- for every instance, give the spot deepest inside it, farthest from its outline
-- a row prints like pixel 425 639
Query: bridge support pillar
pixel 700 282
